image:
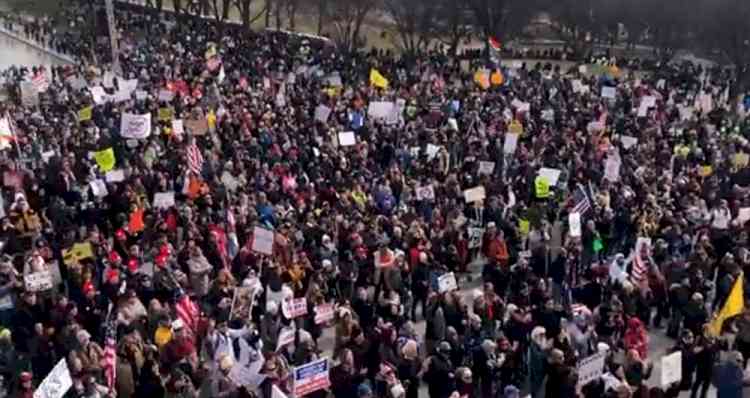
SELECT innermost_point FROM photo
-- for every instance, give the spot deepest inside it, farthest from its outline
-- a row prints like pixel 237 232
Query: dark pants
pixel 744 348
pixel 702 382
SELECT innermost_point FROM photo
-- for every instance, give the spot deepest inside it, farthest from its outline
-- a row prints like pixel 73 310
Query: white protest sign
pixel 744 215
pixel 486 168
pixel 447 282
pixel 135 126
pixel 165 95
pixel 642 110
pixel 99 188
pixel 426 192
pixel 583 69
pixel 475 235
pixel 115 175
pixel 476 194
pixel 612 168
pixel 293 308
pixel 552 175
pixel 141 95
pixel 324 313
pixel 347 138
pixel 229 181
pixel 609 92
pixel 648 101
pixel 577 86
pixel 548 115
pixel 322 113
pixel 128 86
pixel 38 281
pixel 57 383
pixel 178 127
pixel 263 241
pixel 432 150
pixel 108 79
pixel 99 95
pixel 510 144
pixel 164 200
pixel 591 368
pixel 671 369
pixel 397 111
pixel 380 109
pixel 660 84
pixel 628 141
pixel 574 220
pixel 286 337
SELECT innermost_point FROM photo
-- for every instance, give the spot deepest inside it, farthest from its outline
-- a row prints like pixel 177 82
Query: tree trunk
pixel 321 13
pixel 291 11
pixel 269 7
pixel 277 14
pixel 225 10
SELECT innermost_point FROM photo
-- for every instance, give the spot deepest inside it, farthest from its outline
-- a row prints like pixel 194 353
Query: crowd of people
pixel 195 223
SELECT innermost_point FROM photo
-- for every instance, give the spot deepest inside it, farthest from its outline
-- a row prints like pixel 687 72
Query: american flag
pixel 194 159
pixel 188 312
pixel 639 270
pixel 40 81
pixel 581 201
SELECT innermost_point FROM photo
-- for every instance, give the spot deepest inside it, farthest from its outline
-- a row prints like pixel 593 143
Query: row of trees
pixel 718 27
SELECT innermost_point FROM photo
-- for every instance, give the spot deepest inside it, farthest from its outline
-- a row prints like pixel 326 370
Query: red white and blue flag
pixel 311 377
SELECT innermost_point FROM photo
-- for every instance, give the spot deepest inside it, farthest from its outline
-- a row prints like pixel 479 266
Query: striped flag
pixel 188 312
pixel 109 360
pixel 639 270
pixel 494 49
pixel 581 201
pixel 194 159
pixel 40 81
pixel 6 132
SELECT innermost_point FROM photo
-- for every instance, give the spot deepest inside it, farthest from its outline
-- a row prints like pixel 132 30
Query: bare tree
pixel 291 12
pixel 221 9
pixel 347 17
pixel 414 21
pixel 322 7
pixel 452 23
pixel 502 18
pixel 729 32
pixel 244 8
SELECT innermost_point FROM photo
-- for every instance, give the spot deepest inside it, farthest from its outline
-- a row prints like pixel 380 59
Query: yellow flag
pixel 497 78
pixel 377 80
pixel 734 305
pixel 482 79
pixel 85 113
pixel 105 159
pixel 211 119
pixel 78 252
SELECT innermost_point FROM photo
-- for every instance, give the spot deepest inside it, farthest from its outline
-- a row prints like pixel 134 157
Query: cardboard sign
pixel 447 282
pixel 115 175
pixel 165 114
pixel 591 368
pixel 263 241
pixel 135 126
pixel 671 369
pixel 380 109
pixel 99 188
pixel 324 313
pixel 347 138
pixel 196 126
pixel 38 281
pixel 552 175
pixel 426 192
pixel 322 113
pixel 474 195
pixel 164 200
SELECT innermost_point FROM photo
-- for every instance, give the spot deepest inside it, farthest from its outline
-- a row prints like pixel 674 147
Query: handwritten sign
pixel 447 282
pixel 324 313
pixel 135 126
pixel 263 241
pixel 293 308
pixel 57 383
pixel 164 200
pixel 38 281
pixel 474 194
pixel 426 192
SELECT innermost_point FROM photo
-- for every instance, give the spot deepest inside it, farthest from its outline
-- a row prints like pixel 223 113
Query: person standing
pixel 729 377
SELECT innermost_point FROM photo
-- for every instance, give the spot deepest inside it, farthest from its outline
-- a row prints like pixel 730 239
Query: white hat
pixel 178 324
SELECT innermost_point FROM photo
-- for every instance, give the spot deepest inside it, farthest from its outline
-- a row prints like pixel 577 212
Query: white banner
pixel 57 382
pixel 135 126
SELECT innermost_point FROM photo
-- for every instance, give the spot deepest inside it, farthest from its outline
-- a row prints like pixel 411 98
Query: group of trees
pixel 716 27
